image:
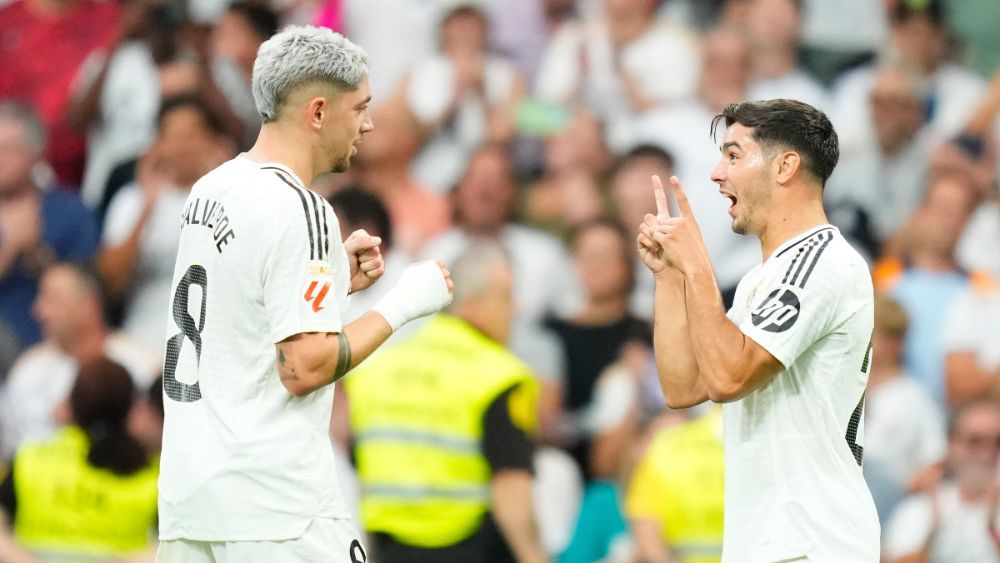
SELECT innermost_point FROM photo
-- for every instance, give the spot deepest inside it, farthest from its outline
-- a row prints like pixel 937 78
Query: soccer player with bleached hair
pixel 255 331
pixel 790 359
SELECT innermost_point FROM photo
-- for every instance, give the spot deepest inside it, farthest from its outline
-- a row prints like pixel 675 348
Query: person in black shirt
pixel 593 339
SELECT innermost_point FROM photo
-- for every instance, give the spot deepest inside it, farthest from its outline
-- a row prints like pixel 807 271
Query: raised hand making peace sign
pixel 667 241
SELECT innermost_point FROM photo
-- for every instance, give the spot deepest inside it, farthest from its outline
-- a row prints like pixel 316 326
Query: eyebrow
pixel 364 102
pixel 730 144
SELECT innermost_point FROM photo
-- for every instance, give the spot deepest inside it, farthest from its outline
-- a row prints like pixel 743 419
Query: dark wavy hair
pixel 100 402
pixel 791 124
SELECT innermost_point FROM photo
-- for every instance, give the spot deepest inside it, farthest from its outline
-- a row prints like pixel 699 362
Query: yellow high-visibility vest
pixel 65 505
pixel 417 416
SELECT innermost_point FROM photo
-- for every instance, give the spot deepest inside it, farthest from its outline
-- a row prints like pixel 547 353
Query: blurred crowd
pixel 535 124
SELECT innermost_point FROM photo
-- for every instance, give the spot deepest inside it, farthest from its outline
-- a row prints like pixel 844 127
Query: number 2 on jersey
pixel 176 390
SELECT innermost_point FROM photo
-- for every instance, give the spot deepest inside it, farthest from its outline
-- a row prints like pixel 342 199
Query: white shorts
pixel 326 540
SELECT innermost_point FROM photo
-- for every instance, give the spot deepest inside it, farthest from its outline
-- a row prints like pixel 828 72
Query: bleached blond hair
pixel 300 55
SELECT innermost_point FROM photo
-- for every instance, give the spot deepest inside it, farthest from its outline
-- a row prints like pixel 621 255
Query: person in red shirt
pixel 42 44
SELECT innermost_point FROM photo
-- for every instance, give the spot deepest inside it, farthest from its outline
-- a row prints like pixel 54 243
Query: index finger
pixel 662 210
pixel 682 201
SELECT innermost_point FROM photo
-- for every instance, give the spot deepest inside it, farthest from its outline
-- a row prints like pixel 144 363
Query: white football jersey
pixel 794 487
pixel 260 259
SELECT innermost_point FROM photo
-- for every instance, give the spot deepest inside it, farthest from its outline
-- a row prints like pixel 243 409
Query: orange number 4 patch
pixel 316 298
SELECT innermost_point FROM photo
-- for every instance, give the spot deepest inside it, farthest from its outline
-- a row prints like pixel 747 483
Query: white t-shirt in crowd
pixel 580 65
pixel 897 443
pixel 962 535
pixel 444 157
pixel 130 100
pixel 973 325
pixel 260 260
pixel 43 377
pixel 794 487
pixel 978 248
pixel 151 284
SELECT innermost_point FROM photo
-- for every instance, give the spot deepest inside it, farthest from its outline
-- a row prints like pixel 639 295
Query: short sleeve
pixel 506 444
pixel 909 527
pixel 298 276
pixel 792 312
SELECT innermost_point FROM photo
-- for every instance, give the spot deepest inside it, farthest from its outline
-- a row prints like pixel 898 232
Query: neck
pixel 793 218
pixel 279 142
pixel 773 61
pixel 87 345
pixel 604 310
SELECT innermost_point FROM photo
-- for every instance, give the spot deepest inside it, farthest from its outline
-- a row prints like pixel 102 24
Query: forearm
pixel 675 360
pixel 967 379
pixel 513 510
pixel 10 551
pixel 116 264
pixel 649 542
pixel 85 107
pixel 307 362
pixel 720 348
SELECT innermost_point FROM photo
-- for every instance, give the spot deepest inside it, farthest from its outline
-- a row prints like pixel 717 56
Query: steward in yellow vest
pixel 88 492
pixel 443 425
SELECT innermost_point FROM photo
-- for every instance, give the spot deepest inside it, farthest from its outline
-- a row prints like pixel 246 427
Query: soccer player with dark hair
pixel 790 359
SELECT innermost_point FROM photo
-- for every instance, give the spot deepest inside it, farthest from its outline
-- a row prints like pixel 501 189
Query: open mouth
pixel 731 198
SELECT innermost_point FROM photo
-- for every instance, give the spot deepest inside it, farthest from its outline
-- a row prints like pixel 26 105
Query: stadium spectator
pixel 70 311
pixel 443 425
pixel 875 189
pixel 38 225
pixel 595 337
pixel 680 130
pixel 119 90
pixel 483 203
pixel 955 521
pixel 43 44
pixel 143 223
pixel 395 34
pixel 971 329
pixel 919 39
pixel 232 48
pixel 383 166
pixel 462 97
pixel 899 446
pixel 569 191
pixel 926 280
pixel 837 36
pixel 976 151
pixel 89 491
pixel 602 531
pixel 675 508
pixel 773 27
pixel 619 65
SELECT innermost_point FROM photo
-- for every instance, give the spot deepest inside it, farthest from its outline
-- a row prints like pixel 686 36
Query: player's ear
pixel 788 164
pixel 316 111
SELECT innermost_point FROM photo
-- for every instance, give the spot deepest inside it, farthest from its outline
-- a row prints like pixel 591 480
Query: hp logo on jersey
pixel 778 312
